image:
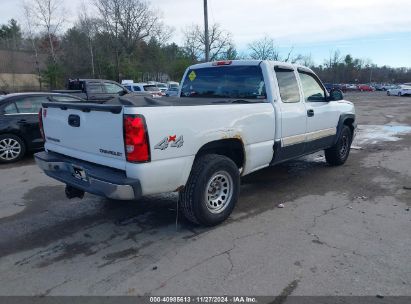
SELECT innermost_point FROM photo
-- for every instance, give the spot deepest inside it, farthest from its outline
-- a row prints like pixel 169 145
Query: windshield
pixel 245 82
pixel 151 88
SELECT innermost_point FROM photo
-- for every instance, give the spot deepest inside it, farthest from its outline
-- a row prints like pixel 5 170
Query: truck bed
pixel 144 101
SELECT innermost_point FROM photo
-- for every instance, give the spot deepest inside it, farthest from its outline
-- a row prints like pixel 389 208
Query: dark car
pixel 94 90
pixel 19 123
pixel 332 86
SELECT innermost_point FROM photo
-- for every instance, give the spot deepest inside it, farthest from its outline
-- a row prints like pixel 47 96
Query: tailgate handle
pixel 74 120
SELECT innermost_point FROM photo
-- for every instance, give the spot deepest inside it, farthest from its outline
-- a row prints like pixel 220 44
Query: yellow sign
pixel 192 75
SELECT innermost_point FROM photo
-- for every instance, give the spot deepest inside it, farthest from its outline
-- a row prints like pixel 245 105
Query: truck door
pixel 112 90
pixel 322 116
pixel 95 92
pixel 293 114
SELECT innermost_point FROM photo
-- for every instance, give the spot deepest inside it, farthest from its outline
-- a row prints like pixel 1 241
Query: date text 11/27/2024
pixel 203 299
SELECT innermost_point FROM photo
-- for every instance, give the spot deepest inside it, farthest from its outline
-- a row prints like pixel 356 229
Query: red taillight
pixel 41 122
pixel 136 139
pixel 222 62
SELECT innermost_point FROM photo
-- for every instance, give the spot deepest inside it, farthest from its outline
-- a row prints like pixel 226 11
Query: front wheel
pixel 338 154
pixel 12 148
pixel 211 191
pixel 388 93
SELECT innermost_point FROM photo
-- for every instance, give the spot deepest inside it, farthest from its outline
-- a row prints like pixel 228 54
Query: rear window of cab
pixel 244 82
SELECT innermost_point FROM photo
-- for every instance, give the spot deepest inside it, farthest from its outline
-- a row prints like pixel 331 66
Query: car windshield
pixel 151 88
pixel 161 85
pixel 245 82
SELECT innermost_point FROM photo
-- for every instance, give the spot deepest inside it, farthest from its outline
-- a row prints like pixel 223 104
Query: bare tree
pixel 128 22
pixel 264 49
pixel 89 26
pixel 220 42
pixel 306 60
pixel 332 64
pixel 30 33
pixel 292 58
pixel 48 16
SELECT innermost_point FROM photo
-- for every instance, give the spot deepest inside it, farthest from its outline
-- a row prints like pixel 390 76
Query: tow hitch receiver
pixel 72 192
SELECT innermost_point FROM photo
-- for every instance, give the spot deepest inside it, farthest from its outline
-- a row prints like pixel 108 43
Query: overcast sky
pixel 376 29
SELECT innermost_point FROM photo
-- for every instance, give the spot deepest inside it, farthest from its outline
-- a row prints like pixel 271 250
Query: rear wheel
pixel 338 154
pixel 399 94
pixel 388 93
pixel 211 191
pixel 12 148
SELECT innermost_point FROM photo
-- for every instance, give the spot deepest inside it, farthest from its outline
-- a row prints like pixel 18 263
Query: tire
pixel 338 154
pixel 12 148
pixel 388 93
pixel 399 94
pixel 211 191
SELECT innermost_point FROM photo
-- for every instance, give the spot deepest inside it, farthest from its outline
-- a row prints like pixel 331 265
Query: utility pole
pixel 206 37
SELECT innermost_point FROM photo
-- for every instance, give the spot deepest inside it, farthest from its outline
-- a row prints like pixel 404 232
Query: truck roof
pixel 249 62
pixel 91 80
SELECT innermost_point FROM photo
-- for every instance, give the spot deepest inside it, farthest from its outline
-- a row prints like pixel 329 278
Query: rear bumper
pixel 100 180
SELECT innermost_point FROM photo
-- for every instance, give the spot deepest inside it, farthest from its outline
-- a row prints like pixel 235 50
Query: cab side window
pixel 10 109
pixel 30 105
pixel 112 88
pixel 287 83
pixel 94 88
pixel 313 91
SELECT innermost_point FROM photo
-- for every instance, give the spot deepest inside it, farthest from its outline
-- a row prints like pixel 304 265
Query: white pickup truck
pixel 232 118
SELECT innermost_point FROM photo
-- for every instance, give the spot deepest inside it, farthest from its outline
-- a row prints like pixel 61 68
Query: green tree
pixel 10 35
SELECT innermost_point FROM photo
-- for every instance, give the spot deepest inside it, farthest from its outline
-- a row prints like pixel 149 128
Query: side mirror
pixel 336 94
pixel 124 92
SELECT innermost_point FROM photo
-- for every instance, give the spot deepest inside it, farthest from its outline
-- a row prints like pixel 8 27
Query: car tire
pixel 12 148
pixel 212 190
pixel 399 94
pixel 338 154
pixel 388 93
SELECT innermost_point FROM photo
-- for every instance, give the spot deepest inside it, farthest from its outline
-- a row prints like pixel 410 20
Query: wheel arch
pixel 18 134
pixel 232 148
pixel 346 120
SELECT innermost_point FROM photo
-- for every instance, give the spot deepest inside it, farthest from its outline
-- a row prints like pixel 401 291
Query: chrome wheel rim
pixel 344 146
pixel 9 149
pixel 218 192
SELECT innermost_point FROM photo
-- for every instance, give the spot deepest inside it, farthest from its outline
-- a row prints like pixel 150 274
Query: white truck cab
pixel 232 118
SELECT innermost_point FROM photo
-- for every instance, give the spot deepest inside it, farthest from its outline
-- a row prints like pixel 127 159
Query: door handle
pixel 22 121
pixel 310 113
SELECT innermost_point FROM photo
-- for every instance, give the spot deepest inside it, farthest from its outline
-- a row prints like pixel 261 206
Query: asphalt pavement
pixel 343 230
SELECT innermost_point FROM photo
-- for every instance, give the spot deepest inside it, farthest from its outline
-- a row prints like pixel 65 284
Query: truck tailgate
pixel 86 131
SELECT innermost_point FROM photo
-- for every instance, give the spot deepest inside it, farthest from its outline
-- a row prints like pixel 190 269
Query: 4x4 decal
pixel 171 140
